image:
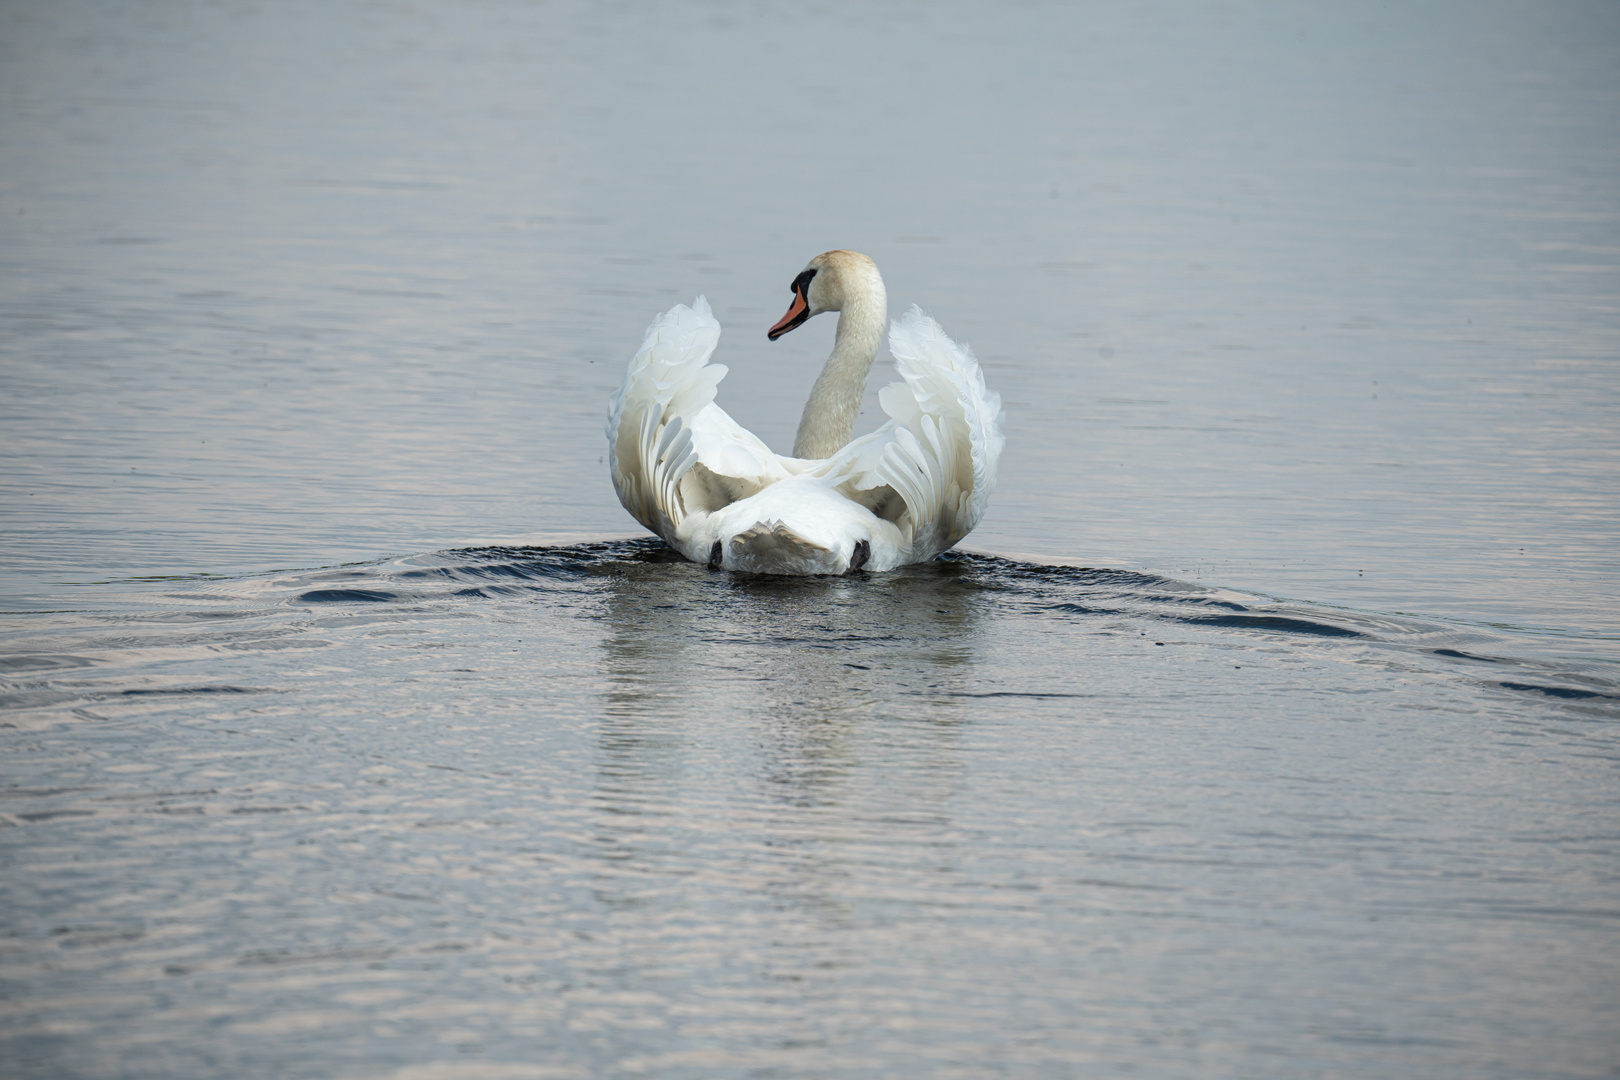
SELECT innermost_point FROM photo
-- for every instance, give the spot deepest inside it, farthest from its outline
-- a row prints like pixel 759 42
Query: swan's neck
pixel 828 422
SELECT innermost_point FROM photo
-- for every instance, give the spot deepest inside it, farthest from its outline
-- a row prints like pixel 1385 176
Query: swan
pixel 717 494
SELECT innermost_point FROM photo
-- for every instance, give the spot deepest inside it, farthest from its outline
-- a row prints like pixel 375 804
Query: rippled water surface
pixel 1269 728
pixel 595 810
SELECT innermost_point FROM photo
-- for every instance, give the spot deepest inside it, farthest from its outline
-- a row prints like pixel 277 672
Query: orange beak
pixel 797 312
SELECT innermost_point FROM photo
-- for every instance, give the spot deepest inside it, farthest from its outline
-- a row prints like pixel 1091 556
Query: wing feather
pixel 667 383
pixel 664 423
pixel 942 445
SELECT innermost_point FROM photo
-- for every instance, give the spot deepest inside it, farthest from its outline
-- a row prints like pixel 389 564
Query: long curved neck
pixel 828 422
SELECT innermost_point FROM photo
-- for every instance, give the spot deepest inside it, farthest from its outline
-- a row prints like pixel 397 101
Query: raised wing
pixel 939 451
pixel 672 449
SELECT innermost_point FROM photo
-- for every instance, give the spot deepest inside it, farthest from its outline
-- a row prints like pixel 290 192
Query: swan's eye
pixel 802 282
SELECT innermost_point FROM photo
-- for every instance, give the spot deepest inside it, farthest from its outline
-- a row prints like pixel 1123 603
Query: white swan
pixel 717 494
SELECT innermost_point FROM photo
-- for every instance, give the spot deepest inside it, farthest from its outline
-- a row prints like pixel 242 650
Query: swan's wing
pixel 670 445
pixel 726 448
pixel 940 450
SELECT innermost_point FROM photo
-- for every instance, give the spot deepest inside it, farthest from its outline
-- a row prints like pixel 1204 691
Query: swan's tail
pixel 770 547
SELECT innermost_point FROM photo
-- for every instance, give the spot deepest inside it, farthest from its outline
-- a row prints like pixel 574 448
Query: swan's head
pixel 831 281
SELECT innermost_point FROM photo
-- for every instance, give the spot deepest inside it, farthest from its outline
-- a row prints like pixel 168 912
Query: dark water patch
pixel 285 640
pixel 571 560
pixel 346 596
pixel 1566 692
pixel 154 579
pixel 1082 609
pixel 1460 655
pixel 1009 572
pixel 35 664
pixel 182 616
pixel 1000 694
pixel 193 690
pixel 40 793
pixel 518 566
pixel 284 957
pixel 50 815
pixel 826 641
pixel 484 572
pixel 1374 1037
pixel 148 796
pixel 1206 602
pixel 90 937
pixel 35 699
pixel 1279 623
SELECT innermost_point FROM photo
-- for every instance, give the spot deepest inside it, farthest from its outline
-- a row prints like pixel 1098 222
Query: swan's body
pixel 718 495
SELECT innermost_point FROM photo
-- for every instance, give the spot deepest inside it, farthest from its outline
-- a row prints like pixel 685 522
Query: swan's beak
pixel 797 312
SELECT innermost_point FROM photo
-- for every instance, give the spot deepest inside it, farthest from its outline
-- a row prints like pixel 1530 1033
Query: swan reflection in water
pixel 756 720
pixel 804 690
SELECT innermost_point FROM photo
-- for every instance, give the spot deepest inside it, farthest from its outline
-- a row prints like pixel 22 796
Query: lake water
pixel 1267 727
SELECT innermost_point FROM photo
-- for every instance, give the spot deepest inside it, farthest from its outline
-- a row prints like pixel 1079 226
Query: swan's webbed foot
pixel 858 557
pixel 714 556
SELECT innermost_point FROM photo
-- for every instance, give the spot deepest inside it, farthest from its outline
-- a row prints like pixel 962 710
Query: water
pixel 345 738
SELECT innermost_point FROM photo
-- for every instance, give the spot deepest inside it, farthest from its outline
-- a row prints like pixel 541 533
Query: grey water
pixel 1266 727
